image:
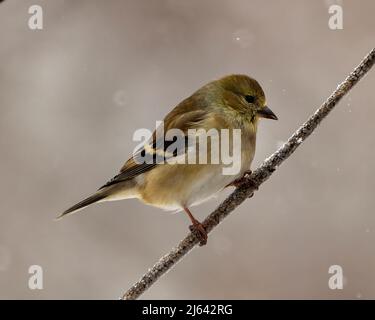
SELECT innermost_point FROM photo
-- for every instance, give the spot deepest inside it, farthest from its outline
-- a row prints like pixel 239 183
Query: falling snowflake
pixel 243 38
pixel 120 98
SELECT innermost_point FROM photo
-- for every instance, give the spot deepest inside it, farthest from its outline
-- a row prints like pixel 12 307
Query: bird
pixel 233 102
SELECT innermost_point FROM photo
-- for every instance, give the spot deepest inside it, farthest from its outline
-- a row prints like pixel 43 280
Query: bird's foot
pixel 199 231
pixel 244 180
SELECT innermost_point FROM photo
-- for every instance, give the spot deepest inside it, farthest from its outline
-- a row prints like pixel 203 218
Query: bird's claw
pixel 244 179
pixel 200 232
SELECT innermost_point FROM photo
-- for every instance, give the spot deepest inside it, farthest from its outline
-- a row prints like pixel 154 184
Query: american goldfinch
pixel 234 102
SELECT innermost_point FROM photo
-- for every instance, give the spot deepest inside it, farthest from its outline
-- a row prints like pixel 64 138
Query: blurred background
pixel 72 94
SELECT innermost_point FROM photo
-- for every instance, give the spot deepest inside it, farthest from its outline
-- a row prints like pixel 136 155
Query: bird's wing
pixel 156 150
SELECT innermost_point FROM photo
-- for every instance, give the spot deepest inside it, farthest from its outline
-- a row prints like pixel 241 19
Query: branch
pixel 252 183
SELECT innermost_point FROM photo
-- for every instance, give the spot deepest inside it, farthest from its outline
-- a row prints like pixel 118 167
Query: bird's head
pixel 243 96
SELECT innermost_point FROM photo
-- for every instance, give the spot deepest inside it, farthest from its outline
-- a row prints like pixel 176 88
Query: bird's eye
pixel 250 99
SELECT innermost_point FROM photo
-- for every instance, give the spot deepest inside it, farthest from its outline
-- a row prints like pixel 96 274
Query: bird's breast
pixel 172 186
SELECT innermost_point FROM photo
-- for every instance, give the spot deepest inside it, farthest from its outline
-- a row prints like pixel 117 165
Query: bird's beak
pixel 267 113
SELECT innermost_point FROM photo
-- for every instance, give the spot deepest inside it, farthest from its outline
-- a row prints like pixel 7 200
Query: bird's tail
pixel 96 197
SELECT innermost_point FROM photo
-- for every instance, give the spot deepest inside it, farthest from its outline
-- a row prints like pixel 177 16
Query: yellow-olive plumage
pixel 232 102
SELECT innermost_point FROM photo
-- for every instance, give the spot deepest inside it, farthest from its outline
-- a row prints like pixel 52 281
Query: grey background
pixel 72 95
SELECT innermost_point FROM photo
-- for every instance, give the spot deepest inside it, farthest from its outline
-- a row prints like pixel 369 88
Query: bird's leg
pixel 197 228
